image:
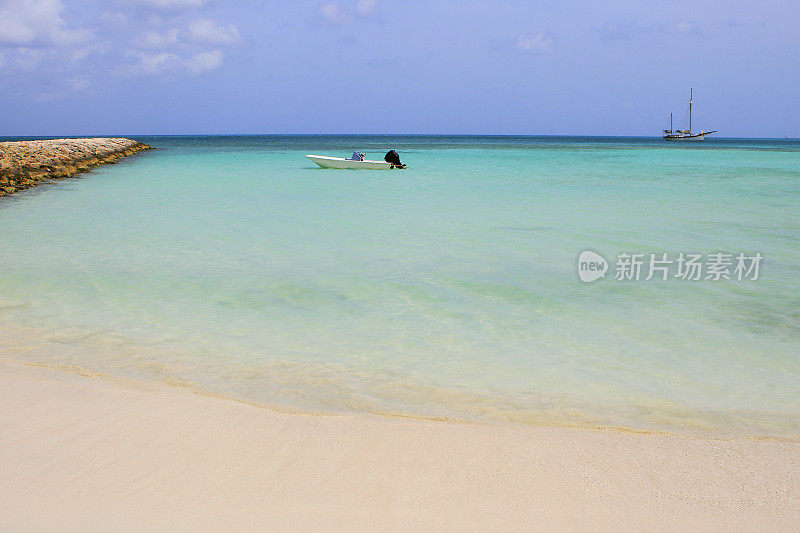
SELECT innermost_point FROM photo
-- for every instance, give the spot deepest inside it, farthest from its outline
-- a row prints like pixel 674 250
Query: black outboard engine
pixel 393 159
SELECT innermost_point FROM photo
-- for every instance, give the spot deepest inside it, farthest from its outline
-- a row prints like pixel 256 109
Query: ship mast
pixel 690 111
pixel 670 122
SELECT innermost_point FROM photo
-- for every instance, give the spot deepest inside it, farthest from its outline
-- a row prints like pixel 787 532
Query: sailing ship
pixel 685 135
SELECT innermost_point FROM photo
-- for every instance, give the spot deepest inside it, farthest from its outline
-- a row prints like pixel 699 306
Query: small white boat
pixel 340 162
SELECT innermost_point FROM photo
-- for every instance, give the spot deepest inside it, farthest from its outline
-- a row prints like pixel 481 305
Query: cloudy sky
pixel 70 67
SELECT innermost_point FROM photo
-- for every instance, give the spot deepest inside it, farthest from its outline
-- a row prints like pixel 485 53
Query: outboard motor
pixel 393 159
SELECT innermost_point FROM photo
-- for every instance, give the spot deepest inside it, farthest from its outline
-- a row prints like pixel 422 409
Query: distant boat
pixel 353 163
pixel 685 135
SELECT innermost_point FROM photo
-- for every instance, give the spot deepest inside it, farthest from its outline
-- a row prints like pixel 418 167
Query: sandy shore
pixel 25 164
pixel 80 452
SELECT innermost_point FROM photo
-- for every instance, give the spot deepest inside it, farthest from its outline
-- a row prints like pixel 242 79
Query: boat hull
pixel 686 138
pixel 342 163
pixel 698 137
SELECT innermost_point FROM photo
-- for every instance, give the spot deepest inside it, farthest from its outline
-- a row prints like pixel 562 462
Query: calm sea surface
pixel 235 266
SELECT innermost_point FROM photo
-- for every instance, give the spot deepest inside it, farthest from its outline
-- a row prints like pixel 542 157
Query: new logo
pixel 591 266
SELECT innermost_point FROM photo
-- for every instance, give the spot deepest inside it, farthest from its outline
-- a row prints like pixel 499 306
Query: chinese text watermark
pixel 715 266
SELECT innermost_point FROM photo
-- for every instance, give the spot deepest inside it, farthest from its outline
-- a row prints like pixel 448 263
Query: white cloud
pixel 173 4
pixel 365 7
pixel 36 23
pixel 93 48
pixel 333 13
pixel 203 31
pixel 78 84
pixel 155 63
pixel 114 18
pixel 193 50
pixel 145 63
pixel 535 42
pixel 153 39
pixel 346 14
pixel 206 31
pixel 204 61
pixel 81 53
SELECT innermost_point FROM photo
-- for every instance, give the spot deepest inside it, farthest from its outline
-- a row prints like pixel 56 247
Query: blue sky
pixel 375 66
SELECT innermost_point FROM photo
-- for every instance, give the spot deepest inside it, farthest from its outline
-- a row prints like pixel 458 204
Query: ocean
pixel 234 266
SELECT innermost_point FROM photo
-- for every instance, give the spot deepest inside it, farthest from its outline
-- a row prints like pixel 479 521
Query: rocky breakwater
pixel 25 164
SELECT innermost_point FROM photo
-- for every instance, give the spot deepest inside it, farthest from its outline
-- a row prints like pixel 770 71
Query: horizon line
pixel 374 135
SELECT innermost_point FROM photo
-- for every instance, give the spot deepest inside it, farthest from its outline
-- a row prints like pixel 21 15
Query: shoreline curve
pixel 78 453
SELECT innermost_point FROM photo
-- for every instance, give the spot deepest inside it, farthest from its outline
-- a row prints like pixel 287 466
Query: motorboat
pixel 357 161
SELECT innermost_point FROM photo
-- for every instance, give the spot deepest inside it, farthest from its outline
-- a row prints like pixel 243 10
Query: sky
pixel 553 67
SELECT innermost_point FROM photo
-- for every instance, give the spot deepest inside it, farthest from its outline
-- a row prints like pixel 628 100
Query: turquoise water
pixel 235 266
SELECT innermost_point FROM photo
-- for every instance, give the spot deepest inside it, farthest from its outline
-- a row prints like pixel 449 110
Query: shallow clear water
pixel 448 289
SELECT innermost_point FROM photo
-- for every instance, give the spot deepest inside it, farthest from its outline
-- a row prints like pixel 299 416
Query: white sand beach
pixel 82 452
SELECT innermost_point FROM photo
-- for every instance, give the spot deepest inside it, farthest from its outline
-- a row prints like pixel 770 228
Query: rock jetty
pixel 25 164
